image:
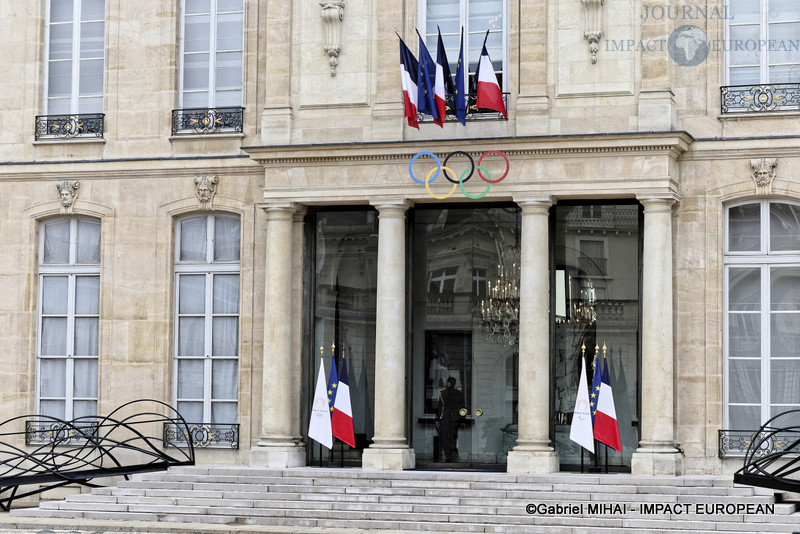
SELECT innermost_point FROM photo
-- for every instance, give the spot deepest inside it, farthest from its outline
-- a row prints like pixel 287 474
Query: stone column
pixel 298 229
pixel 389 449
pixel 276 446
pixel 657 453
pixel 533 453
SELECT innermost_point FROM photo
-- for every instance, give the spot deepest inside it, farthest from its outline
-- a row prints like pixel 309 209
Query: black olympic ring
pixel 460 182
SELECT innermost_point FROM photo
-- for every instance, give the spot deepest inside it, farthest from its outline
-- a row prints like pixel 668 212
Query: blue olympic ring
pixel 461 179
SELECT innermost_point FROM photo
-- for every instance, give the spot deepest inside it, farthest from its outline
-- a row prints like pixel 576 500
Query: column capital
pixel 658 202
pixel 533 203
pixel 390 206
pixel 281 210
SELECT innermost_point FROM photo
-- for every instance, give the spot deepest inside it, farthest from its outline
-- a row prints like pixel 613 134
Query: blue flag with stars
pixel 458 94
pixel 426 78
pixel 594 393
pixel 333 383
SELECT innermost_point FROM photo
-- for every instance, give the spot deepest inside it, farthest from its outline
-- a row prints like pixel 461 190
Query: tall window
pixel 207 319
pixel 68 317
pixel 762 319
pixel 475 16
pixel 212 52
pixel 762 42
pixel 75 56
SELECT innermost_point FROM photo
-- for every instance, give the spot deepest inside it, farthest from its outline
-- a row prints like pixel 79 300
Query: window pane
pixel 54 336
pixel 191 336
pixel 783 10
pixel 52 408
pixel 86 334
pixel 195 71
pixel 53 382
pixel 443 14
pixel 56 242
pixel 784 227
pixel 785 383
pixel 195 99
pixel 226 239
pixel 229 5
pixel 92 104
pixel 744 335
pixel 744 76
pixel 744 289
pixel 93 10
pixel 92 39
pixel 229 70
pixel 225 337
pixel 60 10
pixel 60 41
pixel 787 420
pixel 744 417
pixel 193 239
pixel 197 32
pixel 84 409
pixel 190 379
pixel 88 241
pixel 745 381
pixel 192 412
pixel 229 31
pixel 91 82
pixel 87 295
pixel 486 14
pixel 225 379
pixel 58 106
pixel 227 98
pixel 85 382
pixel 54 295
pixel 223 413
pixel 784 74
pixel 192 294
pixel 226 293
pixel 785 37
pixel 785 334
pixel 59 81
pixel 744 11
pixel 198 6
pixel 785 288
pixel 744 55
pixel 744 228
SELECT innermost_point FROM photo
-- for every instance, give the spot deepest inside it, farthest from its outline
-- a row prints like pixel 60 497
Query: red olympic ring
pixel 508 167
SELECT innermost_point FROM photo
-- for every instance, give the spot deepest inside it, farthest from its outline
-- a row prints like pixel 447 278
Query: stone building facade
pixel 197 194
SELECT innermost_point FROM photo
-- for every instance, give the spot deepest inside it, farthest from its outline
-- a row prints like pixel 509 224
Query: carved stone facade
pixel 68 193
pixel 205 189
pixel 764 175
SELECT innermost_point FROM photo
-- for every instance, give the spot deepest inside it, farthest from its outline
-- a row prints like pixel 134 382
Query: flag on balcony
pixel 605 421
pixel 333 381
pixel 459 97
pixel 488 94
pixel 319 427
pixel 594 393
pixel 580 430
pixel 408 73
pixel 444 82
pixel 426 78
pixel 342 415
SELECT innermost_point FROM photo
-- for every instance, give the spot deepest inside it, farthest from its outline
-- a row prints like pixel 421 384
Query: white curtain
pixel 193 239
pixel 56 242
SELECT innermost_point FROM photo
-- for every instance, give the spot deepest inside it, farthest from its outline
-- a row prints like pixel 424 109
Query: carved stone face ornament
pixel 206 188
pixel 68 192
pixel 764 174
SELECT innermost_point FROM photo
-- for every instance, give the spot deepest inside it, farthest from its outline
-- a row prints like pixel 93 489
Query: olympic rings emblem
pixel 463 178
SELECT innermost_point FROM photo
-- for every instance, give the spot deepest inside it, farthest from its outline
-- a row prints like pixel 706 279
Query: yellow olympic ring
pixel 428 183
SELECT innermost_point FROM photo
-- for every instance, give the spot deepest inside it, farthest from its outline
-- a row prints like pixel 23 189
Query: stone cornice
pixel 743 148
pixel 672 144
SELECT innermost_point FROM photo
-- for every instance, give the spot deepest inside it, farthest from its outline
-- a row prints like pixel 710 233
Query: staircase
pixel 259 500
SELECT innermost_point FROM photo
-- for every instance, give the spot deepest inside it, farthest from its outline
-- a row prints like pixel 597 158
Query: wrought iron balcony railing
pixel 207 120
pixel 473 111
pixel 734 443
pixel 49 431
pixel 202 435
pixel 69 126
pixel 760 98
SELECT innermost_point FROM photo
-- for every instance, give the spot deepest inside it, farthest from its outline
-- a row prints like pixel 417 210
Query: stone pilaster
pixel 533 103
pixel 657 111
pixel 533 453
pixel 389 449
pixel 276 113
pixel 658 453
pixel 277 446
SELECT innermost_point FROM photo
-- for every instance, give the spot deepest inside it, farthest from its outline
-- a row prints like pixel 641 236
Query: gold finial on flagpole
pixel 604 349
pixel 333 349
pixel 342 353
pixel 596 350
pixel 321 352
pixel 583 350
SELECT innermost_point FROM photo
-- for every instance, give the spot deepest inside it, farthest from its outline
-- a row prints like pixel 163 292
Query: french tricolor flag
pixel 605 420
pixel 489 95
pixel 408 72
pixel 442 80
pixel 342 415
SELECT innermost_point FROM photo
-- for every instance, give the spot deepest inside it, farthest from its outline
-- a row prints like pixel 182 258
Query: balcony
pixel 202 435
pixel 79 125
pixel 473 112
pixel 735 443
pixel 202 121
pixel 760 98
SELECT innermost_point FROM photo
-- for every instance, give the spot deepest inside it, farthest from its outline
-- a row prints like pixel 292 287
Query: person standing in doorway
pixel 449 419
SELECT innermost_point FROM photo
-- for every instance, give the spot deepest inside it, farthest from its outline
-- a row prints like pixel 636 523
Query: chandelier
pixel 584 311
pixel 500 311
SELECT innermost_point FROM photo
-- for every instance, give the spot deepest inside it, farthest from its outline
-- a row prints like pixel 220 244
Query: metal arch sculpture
pixel 773 458
pixel 85 448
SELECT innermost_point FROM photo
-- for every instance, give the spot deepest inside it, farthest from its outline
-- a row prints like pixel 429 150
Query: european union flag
pixel 426 77
pixel 594 393
pixel 459 97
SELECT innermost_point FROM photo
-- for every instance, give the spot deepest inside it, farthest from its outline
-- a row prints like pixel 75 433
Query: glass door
pixel 464 373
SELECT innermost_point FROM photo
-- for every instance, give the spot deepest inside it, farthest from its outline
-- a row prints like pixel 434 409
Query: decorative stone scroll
pixel 68 191
pixel 764 174
pixel 206 188
pixel 593 25
pixel 332 16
